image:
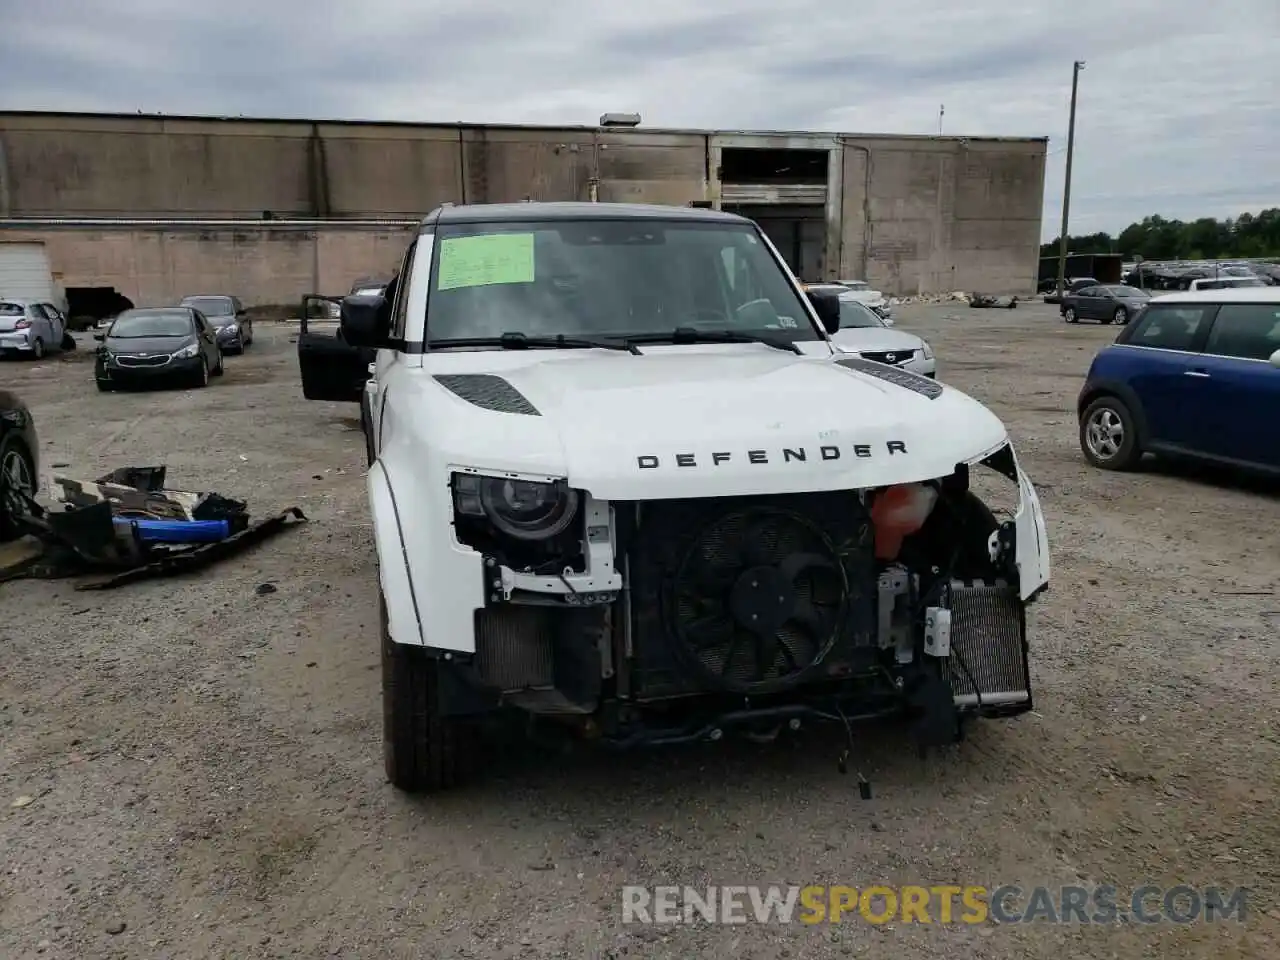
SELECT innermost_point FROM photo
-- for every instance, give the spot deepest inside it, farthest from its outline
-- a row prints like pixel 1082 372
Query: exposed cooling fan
pixel 757 600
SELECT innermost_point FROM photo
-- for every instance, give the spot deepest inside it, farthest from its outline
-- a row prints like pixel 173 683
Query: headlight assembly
pixel 522 509
pixel 926 349
pixel 190 350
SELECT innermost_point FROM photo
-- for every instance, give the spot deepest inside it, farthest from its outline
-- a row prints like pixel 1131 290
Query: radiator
pixel 988 636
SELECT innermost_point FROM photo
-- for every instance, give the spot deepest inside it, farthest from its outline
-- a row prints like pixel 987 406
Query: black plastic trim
pixel 914 382
pixel 487 391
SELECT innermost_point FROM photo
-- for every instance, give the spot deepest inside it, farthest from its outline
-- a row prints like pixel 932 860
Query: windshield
pixel 211 306
pixel 1129 293
pixel 856 285
pixel 131 325
pixel 854 314
pixel 11 310
pixel 583 278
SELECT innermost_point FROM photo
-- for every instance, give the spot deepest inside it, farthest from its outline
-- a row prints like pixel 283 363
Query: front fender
pixel 403 616
pixel 433 585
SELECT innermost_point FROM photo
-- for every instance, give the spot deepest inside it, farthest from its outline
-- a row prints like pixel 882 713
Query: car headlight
pixel 926 350
pixel 232 328
pixel 522 509
pixel 190 350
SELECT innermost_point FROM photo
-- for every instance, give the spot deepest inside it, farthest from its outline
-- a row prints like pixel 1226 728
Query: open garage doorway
pixel 89 306
pixel 799 233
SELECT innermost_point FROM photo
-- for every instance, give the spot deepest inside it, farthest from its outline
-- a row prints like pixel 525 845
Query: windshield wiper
pixel 690 335
pixel 522 341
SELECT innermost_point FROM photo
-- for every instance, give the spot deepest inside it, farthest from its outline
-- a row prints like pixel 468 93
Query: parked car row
pixel 184 344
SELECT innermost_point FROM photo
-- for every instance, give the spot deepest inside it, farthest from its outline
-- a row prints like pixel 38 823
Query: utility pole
pixel 1066 187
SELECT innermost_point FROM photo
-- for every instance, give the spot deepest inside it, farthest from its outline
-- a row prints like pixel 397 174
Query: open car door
pixel 331 368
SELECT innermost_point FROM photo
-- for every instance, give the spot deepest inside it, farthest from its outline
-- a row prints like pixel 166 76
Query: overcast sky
pixel 1178 109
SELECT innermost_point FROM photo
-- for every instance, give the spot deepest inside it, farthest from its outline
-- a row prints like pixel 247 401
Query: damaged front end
pixel 666 621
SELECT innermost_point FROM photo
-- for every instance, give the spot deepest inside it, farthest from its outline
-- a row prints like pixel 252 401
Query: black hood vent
pixel 488 392
pixel 895 375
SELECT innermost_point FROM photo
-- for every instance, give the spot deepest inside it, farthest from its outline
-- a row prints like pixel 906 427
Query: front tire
pixel 202 375
pixel 1121 316
pixel 16 471
pixel 1109 436
pixel 422 750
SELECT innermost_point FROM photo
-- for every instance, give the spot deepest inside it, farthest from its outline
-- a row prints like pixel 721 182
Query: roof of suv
pixel 1223 295
pixel 541 212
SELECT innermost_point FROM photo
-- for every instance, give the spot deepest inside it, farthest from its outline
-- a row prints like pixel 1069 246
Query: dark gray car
pixel 1112 303
pixel 158 345
pixel 228 317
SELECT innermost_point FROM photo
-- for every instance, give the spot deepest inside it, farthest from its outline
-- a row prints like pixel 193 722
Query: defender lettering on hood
pixel 862 451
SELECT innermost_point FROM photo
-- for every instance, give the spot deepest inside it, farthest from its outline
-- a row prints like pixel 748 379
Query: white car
pixel 624 485
pixel 874 299
pixel 30 329
pixel 864 333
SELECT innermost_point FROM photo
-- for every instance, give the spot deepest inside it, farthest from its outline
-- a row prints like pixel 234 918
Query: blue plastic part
pixel 176 531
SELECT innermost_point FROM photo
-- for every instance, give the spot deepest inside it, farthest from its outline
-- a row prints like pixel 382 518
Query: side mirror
pixel 1275 359
pixel 365 321
pixel 99 336
pixel 826 303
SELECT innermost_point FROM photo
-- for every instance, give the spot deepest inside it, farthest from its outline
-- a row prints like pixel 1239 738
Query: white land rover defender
pixel 621 480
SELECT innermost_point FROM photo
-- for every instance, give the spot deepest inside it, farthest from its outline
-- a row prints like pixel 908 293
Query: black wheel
pixel 422 751
pixel 68 342
pixel 17 473
pixel 1069 315
pixel 37 349
pixel 1108 435
pixel 202 375
pixel 1121 316
pixel 104 386
pixel 219 369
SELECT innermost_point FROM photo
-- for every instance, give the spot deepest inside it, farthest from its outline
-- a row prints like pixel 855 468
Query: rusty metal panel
pixel 664 169
pixel 782 141
pixel 507 166
pixel 773 193
pixel 379 172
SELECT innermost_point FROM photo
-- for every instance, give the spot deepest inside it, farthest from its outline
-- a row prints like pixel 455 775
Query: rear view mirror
pixel 826 303
pixel 1275 359
pixel 365 321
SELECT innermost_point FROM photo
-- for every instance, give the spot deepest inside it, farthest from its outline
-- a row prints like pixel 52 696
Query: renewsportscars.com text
pixel 941 904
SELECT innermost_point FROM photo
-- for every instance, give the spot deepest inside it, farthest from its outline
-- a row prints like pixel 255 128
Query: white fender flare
pixel 393 564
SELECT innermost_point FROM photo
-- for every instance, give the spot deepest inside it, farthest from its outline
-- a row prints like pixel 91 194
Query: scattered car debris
pixel 128 526
pixel 984 300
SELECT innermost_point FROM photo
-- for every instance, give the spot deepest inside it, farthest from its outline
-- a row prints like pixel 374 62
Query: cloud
pixel 1176 110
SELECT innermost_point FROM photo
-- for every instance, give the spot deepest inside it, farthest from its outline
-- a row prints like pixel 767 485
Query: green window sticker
pixel 488 259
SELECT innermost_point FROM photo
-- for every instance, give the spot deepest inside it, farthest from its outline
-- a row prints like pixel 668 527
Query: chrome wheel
pixel 15 477
pixel 1122 315
pixel 1104 433
pixel 1069 315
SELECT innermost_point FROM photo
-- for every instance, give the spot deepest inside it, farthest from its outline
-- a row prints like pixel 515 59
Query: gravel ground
pixel 197 770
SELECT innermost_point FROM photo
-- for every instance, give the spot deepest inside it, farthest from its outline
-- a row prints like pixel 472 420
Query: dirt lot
pixel 204 763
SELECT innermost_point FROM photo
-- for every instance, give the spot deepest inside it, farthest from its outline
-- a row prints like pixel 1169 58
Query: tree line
pixel 1248 236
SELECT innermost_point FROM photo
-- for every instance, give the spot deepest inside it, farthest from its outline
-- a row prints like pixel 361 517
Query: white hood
pixel 700 421
pixel 876 340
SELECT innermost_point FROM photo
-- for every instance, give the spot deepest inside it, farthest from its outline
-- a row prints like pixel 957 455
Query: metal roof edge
pixel 549 127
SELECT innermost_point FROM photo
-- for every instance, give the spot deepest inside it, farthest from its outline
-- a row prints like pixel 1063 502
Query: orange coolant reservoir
pixel 897 512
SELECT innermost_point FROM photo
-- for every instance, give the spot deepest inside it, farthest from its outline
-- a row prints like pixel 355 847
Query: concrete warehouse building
pixel 157 207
